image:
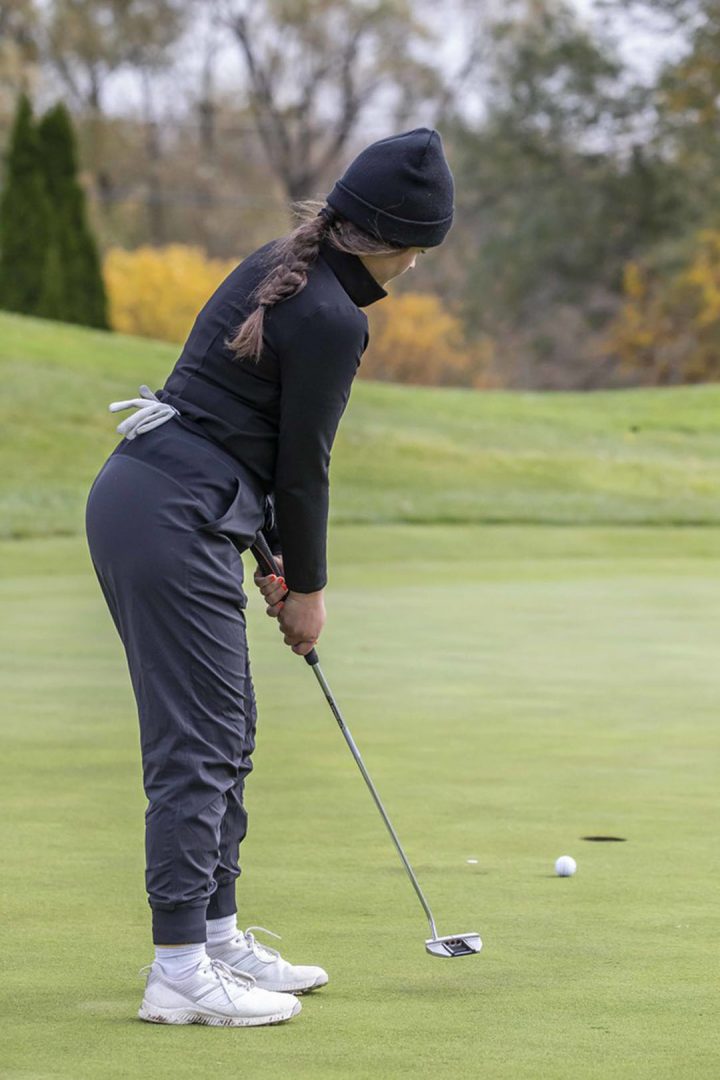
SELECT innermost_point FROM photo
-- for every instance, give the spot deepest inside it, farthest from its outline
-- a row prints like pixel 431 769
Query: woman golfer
pixel 254 403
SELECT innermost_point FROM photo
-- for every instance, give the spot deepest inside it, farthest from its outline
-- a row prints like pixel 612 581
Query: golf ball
pixel 565 866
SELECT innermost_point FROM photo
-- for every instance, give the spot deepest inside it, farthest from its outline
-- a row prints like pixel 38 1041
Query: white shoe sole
pixel 155 1014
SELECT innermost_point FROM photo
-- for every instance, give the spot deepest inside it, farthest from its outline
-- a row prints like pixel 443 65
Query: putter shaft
pixel 266 561
pixel 373 791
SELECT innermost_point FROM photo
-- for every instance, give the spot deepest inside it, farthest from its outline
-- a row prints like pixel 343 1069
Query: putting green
pixel 512 690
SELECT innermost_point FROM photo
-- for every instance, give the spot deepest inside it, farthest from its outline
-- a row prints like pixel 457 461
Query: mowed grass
pixel 404 454
pixel 514 686
pixel 513 689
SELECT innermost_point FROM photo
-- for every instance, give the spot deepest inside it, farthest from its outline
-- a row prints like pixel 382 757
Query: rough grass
pixel 404 454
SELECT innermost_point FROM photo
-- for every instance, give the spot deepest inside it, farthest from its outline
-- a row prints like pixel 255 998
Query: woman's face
pixel 385 267
pixel 406 260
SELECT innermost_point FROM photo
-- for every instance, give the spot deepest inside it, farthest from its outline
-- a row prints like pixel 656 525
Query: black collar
pixel 353 275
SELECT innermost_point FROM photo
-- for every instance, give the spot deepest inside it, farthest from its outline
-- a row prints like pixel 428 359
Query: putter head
pixel 454 945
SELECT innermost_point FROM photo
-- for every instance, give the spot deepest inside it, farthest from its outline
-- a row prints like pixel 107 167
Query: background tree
pixel 86 42
pixel 556 195
pixel 19 51
pixel 668 330
pixel 688 112
pixel 73 288
pixel 313 67
pixel 24 218
pixel 197 123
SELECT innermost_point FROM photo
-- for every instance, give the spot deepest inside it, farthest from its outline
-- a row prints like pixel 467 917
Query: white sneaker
pixel 213 995
pixel 244 954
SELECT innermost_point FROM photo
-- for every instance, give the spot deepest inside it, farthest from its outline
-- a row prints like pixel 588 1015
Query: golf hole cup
pixel 565 866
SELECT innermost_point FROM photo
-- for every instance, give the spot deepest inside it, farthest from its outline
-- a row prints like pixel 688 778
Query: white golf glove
pixel 150 414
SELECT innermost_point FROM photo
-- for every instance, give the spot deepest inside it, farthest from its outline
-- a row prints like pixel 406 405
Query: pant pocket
pixel 241 520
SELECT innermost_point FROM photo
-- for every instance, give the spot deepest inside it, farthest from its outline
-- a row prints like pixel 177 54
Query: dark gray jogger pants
pixel 165 520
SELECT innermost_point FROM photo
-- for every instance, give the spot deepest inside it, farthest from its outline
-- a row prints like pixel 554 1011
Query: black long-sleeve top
pixel 279 416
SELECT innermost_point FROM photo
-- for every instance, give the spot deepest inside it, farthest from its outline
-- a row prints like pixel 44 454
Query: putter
pixel 452 944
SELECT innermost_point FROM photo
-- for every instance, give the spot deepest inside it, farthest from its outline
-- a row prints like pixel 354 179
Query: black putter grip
pixel 266 561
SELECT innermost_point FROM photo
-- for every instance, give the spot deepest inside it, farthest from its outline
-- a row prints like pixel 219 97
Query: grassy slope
pixel 403 454
pixel 568 686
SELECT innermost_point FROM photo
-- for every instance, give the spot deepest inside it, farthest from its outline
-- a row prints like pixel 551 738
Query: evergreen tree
pixel 73 290
pixel 51 304
pixel 24 218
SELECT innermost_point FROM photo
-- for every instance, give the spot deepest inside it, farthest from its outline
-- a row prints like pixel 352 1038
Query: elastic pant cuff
pixel 184 925
pixel 222 902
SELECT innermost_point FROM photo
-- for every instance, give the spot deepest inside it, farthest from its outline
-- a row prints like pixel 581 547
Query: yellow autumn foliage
pixel 157 291
pixel 669 326
pixel 414 339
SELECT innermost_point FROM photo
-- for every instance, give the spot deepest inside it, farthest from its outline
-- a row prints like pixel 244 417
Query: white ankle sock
pixel 220 930
pixel 179 961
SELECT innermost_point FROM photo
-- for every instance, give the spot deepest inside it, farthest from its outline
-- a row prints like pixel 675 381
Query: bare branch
pixel 311 73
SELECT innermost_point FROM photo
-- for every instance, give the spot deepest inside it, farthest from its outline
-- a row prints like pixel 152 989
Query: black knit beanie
pixel 399 190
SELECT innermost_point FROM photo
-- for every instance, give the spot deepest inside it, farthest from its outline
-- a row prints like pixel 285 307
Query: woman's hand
pixel 273 588
pixel 301 615
pixel 301 618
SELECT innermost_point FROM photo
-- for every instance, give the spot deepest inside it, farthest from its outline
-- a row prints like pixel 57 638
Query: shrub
pixel 414 339
pixel 157 292
pixel 668 330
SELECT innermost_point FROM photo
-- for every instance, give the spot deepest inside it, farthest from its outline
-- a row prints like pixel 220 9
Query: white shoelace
pixel 150 413
pixel 226 976
pixel 262 952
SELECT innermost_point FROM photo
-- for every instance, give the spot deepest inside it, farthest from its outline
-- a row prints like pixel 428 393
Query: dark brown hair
pixel 292 257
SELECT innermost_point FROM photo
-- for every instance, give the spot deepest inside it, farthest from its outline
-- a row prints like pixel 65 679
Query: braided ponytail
pixel 293 256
